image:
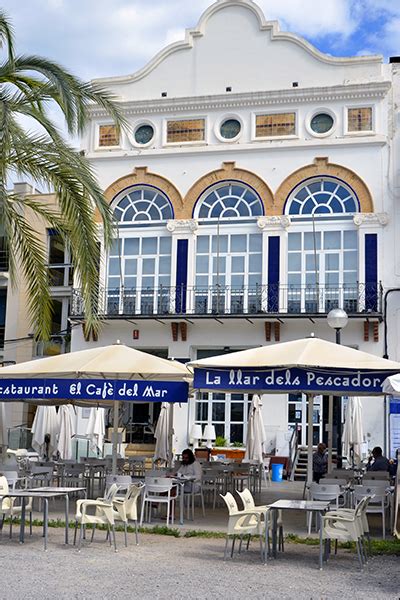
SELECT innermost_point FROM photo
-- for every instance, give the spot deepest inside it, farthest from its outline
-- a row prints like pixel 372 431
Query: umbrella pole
pixel 330 432
pixel 115 437
pixel 310 439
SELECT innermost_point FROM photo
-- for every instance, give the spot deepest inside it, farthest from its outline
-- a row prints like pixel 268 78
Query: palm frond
pixel 6 34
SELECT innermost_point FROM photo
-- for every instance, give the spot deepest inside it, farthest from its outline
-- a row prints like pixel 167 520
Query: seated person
pixel 381 463
pixel 320 462
pixel 190 468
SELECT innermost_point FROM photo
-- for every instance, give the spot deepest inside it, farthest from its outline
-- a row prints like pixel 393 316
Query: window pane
pixel 149 246
pixel 237 281
pixel 201 411
pixel 332 279
pixel 254 280
pixel 203 243
pixel 350 240
pixel 294 261
pixel 219 264
pixel 186 131
pixel 350 260
pixel 130 266
pixel 350 277
pixel 165 245
pixel 294 241
pixel 236 433
pixel 275 124
pixel 294 279
pixel 332 240
pixel 312 262
pixel 359 119
pixel 255 263
pixel 255 242
pixel 218 411
pixel 131 246
pixel 238 243
pixel 237 411
pixel 332 262
pixel 108 135
pixel 202 263
pixel 237 264
pixel 56 250
pixel 220 245
pixel 149 265
pixel 201 281
pixel 312 241
pixel 165 265
pixel 113 266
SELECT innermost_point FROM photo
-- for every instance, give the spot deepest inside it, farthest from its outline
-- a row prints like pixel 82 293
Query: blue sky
pixel 96 38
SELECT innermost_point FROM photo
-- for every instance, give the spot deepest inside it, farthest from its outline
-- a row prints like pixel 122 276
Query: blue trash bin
pixel 277 472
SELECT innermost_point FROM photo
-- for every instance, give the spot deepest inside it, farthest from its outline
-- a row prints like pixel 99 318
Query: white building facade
pixel 255 190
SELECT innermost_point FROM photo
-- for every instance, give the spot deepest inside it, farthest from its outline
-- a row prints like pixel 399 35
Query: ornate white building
pixel 255 190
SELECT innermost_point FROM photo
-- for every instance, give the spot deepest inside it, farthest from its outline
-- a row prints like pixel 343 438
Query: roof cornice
pixel 359 91
pixel 268 26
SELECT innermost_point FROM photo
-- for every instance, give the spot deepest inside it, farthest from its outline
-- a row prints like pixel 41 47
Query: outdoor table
pixel 304 505
pixel 27 493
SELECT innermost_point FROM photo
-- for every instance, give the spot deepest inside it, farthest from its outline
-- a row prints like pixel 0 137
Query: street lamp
pixel 337 319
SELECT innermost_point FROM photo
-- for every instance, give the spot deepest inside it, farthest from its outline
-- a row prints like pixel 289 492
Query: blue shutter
pixel 273 273
pixel 371 271
pixel 181 276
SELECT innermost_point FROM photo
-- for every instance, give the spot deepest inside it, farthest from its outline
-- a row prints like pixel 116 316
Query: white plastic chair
pixel 263 510
pixel 125 509
pixel 242 523
pixel 326 493
pixel 8 508
pixel 104 515
pixel 190 496
pixel 380 500
pixel 158 490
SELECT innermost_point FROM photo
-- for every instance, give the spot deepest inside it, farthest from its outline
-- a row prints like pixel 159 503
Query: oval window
pixel 144 134
pixel 321 123
pixel 230 129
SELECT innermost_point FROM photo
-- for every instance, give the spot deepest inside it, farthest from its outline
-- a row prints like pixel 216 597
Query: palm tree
pixel 28 86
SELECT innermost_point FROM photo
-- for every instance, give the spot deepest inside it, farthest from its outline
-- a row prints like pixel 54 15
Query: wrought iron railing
pixel 227 300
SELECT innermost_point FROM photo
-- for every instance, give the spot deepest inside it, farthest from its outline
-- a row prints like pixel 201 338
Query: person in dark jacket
pixel 320 462
pixel 380 462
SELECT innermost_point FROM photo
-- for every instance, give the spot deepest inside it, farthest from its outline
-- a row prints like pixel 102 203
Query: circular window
pixel 230 129
pixel 144 134
pixel 321 123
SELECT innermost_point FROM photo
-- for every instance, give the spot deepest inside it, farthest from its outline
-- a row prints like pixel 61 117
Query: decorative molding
pixel 360 91
pixel 321 167
pixel 141 176
pixel 371 219
pixel 270 27
pixel 275 221
pixel 228 171
pixel 182 225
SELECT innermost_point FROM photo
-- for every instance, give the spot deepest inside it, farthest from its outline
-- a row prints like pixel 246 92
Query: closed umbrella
pixel 96 430
pixel 3 425
pixel 256 437
pixel 67 419
pixel 162 434
pixel 45 423
pixel 353 434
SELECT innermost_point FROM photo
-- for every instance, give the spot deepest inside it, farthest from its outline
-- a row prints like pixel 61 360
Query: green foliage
pixel 32 87
pixel 220 441
pixel 237 445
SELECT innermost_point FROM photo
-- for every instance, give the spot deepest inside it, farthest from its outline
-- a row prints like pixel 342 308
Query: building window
pixel 322 196
pixel 229 200
pixel 322 123
pixel 227 412
pixel 144 134
pixel 228 273
pixel 230 129
pixel 273 125
pixel 139 275
pixel 60 268
pixel 108 135
pixel 359 119
pixel 143 203
pixel 191 130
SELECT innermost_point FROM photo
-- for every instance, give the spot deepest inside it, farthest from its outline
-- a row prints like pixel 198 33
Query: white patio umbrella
pixel 162 434
pixel 115 361
pixel 45 422
pixel 96 430
pixel 256 436
pixel 311 358
pixel 67 419
pixel 353 432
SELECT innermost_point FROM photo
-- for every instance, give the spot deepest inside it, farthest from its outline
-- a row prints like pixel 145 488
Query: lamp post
pixel 337 319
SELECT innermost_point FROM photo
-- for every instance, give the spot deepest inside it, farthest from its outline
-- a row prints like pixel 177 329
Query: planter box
pixel 235 453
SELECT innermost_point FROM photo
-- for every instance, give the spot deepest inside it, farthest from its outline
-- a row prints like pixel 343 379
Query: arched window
pixel 229 200
pixel 320 196
pixel 143 203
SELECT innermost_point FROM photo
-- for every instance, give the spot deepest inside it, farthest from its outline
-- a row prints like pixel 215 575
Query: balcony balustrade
pixel 227 300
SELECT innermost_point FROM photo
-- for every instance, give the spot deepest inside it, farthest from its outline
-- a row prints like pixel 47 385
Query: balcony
pixel 226 301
